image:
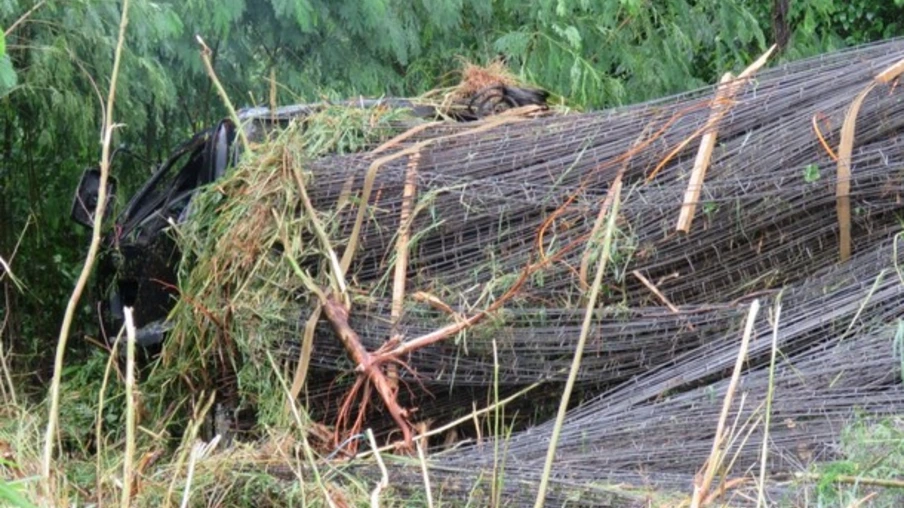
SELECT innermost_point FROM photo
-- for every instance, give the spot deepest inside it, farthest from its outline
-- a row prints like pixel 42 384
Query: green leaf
pixel 7 75
pixel 9 494
pixel 811 173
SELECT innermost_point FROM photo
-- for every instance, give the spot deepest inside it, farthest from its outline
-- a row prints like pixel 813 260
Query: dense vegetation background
pixel 55 63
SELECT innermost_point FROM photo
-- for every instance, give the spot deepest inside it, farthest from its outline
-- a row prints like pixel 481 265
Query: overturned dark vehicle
pixel 138 260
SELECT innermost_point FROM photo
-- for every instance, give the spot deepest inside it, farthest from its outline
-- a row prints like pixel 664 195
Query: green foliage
pixel 870 448
pixel 7 73
pixel 11 496
pixel 811 173
pixel 54 69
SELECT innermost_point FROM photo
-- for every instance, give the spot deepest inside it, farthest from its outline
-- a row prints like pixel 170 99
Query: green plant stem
pixel 579 350
pixel 208 65
pixel 53 414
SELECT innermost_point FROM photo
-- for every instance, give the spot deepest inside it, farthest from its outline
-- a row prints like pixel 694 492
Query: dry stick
pixel 127 472
pixel 712 463
pixel 845 149
pixel 734 86
pixel 205 57
pixel 704 155
pixel 53 415
pixel 273 95
pixel 401 264
pixel 338 277
pixel 9 271
pixel 891 73
pixel 7 376
pixel 597 225
pixel 761 488
pixel 646 282
pixel 615 192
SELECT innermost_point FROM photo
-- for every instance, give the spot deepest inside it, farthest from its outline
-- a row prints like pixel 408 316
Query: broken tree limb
pixel 338 316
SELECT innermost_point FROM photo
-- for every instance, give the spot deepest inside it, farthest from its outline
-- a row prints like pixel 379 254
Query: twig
pixel 704 155
pixel 23 18
pixel 888 483
pixel 822 139
pixel 205 56
pixel 701 488
pixel 62 340
pixel 127 473
pixel 646 282
pixel 615 192
pixel 859 502
pixel 9 271
pixel 384 478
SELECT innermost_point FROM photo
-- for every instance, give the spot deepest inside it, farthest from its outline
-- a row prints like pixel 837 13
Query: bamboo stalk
pixel 734 86
pixel 400 274
pixel 843 175
pixel 701 488
pixel 704 155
